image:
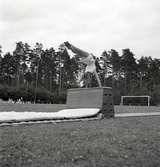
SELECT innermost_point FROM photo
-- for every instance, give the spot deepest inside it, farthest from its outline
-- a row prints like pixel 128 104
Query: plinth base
pixel 99 97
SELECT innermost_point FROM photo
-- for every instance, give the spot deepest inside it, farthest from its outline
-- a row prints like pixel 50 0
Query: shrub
pixel 4 92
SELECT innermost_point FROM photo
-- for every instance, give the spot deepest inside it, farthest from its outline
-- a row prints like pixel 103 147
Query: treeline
pixel 44 75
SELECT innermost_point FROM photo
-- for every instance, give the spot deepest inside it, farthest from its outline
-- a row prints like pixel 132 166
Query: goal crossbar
pixel 122 97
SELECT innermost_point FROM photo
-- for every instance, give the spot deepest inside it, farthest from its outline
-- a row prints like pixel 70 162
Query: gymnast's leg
pixel 76 50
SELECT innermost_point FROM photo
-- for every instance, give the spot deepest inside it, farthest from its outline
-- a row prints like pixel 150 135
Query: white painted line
pixel 136 114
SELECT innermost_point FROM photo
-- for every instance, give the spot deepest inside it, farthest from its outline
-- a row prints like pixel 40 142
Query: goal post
pixel 122 99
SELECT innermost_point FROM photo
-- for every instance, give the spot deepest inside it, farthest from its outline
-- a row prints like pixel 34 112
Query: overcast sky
pixel 92 25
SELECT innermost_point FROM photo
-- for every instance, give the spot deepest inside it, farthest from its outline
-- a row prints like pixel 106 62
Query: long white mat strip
pixel 96 117
pixel 136 114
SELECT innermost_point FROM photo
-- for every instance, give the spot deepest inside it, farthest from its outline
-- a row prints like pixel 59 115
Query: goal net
pixel 135 100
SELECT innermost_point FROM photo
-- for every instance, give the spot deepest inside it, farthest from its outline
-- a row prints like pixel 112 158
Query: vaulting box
pixel 99 97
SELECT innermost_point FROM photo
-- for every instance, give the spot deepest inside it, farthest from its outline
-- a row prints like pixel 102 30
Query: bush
pixel 62 97
pixel 4 92
pixel 44 96
pixel 14 93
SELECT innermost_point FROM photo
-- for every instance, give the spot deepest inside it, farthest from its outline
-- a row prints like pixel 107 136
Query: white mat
pixel 63 114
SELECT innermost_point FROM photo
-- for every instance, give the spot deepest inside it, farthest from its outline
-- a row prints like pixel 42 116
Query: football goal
pixel 135 100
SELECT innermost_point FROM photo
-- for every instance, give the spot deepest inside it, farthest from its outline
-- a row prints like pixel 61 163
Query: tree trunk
pixel 51 81
pixel 141 83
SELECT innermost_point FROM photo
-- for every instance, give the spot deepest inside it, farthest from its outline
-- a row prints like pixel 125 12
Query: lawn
pixel 132 141
pixel 56 107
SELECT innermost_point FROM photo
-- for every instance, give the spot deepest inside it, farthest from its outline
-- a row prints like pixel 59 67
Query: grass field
pixel 119 142
pixel 57 107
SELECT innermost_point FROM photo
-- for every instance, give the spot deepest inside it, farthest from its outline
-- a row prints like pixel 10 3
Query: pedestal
pixel 99 97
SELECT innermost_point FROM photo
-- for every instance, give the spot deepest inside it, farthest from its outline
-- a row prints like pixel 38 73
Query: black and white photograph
pixel 79 83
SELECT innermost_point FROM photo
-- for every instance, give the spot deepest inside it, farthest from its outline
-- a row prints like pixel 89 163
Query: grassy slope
pixel 57 107
pixel 31 107
pixel 108 142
